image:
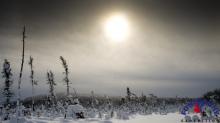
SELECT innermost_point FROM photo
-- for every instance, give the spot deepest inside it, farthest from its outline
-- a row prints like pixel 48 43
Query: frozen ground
pixel 154 118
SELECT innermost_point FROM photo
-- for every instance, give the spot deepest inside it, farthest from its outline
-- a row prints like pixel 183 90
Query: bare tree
pixel 7 87
pixel 66 78
pixel 20 75
pixel 33 82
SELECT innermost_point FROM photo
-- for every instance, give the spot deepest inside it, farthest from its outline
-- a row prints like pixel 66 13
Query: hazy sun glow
pixel 116 28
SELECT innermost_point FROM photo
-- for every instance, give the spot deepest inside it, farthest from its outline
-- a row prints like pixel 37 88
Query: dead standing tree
pixel 33 82
pixel 20 75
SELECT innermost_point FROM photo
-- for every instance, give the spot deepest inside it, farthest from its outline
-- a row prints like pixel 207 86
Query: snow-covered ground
pixel 154 118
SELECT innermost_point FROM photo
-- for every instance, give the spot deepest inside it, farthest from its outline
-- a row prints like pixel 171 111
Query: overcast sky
pixel 173 47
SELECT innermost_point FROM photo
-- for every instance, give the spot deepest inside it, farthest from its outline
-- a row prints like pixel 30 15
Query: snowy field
pixel 154 118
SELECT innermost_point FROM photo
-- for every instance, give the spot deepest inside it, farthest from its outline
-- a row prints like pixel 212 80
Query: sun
pixel 116 28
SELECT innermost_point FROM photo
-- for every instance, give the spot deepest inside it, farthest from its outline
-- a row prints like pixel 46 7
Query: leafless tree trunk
pixel 20 75
pixel 33 82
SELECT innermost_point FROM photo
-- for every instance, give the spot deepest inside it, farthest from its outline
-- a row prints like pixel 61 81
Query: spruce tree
pixel 7 86
pixel 66 72
pixel 51 83
pixel 128 94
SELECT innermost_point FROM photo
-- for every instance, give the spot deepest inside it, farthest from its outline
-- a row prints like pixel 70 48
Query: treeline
pixel 213 95
pixel 96 100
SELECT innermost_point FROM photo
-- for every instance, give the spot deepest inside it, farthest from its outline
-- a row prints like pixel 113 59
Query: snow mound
pixel 75 108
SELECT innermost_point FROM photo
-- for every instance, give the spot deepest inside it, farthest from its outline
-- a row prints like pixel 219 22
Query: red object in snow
pixel 197 108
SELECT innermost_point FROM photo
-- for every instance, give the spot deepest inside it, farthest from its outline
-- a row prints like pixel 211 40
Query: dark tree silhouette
pixel 7 87
pixel 8 81
pixel 51 83
pixel 128 94
pixel 66 78
pixel 213 95
pixel 20 75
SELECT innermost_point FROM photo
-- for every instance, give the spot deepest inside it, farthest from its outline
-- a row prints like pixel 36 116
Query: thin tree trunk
pixel 32 98
pixel 67 84
pixel 32 81
pixel 20 76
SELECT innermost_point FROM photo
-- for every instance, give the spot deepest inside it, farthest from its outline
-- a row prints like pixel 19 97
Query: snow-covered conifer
pixel 66 72
pixel 51 83
pixel 7 86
